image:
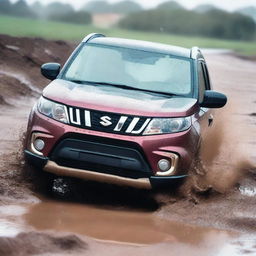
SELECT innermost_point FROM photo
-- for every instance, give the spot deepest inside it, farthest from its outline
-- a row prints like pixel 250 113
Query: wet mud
pixel 35 243
pixel 20 63
pixel 212 213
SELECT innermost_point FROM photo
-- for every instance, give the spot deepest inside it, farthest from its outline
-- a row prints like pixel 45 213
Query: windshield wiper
pixel 77 81
pixel 128 87
pixel 123 86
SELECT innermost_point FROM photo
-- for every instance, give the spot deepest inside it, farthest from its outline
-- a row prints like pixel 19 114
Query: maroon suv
pixel 122 111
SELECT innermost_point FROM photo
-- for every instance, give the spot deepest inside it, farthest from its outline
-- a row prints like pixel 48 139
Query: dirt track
pixel 213 214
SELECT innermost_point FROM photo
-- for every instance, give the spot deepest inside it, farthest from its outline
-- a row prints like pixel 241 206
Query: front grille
pixel 107 121
pixel 104 156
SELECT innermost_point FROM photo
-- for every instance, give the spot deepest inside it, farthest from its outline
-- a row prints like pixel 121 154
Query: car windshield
pixel 143 70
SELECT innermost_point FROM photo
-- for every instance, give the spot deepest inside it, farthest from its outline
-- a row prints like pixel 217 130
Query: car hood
pixel 114 99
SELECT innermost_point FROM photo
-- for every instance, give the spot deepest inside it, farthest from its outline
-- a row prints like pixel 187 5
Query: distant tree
pixel 5 6
pixel 98 6
pixel 232 25
pixel 214 23
pixel 53 11
pixel 170 5
pixel 20 8
pixel 203 8
pixel 248 11
pixel 80 17
pixel 57 8
pixel 125 7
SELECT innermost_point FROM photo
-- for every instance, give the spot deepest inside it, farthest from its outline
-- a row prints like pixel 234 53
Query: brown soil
pixel 221 194
pixel 20 64
pixel 34 243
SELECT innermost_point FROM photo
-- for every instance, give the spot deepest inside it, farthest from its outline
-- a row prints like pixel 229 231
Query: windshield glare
pixel 136 68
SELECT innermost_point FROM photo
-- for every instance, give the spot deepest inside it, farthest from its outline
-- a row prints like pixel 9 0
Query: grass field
pixel 56 30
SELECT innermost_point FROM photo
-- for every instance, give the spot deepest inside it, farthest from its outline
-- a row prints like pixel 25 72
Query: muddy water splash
pixel 223 160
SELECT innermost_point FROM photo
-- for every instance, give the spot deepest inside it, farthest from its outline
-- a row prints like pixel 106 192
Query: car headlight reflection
pixel 168 125
pixel 53 110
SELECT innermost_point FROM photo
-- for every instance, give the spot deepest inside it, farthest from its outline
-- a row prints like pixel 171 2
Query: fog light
pixel 39 144
pixel 164 165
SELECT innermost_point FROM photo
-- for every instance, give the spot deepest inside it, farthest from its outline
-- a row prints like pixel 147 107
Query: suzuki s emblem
pixel 105 121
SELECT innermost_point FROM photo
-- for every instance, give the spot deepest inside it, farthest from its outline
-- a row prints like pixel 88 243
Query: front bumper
pixel 143 183
pixel 119 151
pixel 184 144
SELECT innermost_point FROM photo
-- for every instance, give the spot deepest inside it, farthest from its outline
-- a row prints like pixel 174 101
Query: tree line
pixel 65 12
pixel 210 23
pixel 53 11
pixel 168 17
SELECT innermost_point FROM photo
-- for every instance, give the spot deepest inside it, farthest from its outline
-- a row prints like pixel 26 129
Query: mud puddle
pixel 131 227
pixel 135 231
pixel 117 226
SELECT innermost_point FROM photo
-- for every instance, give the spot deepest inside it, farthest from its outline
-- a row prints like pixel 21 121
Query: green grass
pixel 56 30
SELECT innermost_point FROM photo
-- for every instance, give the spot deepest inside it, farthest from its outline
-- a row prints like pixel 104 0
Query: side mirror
pixel 50 70
pixel 213 99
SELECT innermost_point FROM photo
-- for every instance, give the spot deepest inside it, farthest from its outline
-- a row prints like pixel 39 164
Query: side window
pixel 202 81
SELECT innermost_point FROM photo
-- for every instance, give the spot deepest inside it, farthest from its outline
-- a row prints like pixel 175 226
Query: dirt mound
pixel 20 64
pixel 12 88
pixel 33 243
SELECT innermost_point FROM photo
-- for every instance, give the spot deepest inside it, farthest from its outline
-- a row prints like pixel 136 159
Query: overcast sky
pixel 225 4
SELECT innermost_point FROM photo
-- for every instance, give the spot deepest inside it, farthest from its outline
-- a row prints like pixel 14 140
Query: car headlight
pixel 168 125
pixel 53 110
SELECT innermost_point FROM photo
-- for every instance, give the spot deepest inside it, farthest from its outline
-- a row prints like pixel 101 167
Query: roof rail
pixel 194 52
pixel 92 36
